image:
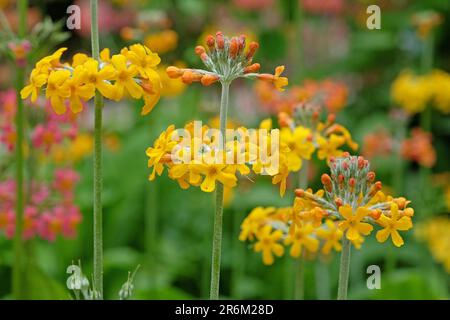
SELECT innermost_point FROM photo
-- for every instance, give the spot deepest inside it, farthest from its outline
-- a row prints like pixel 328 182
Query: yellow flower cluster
pixel 273 228
pixel 130 73
pixel 415 92
pixel 349 205
pixel 299 142
pixel 436 233
pixel 202 161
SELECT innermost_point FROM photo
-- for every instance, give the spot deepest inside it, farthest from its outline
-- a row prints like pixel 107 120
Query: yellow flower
pixel 352 224
pixel 213 173
pixel 332 236
pixel 300 145
pixel 58 90
pixel 78 90
pixel 268 244
pixel 329 147
pixel 391 225
pixel 101 78
pixel 163 145
pixel 144 59
pixel 280 82
pixel 51 61
pixel 162 42
pixel 125 77
pixel 411 92
pixel 37 81
pixel 302 236
pixel 253 222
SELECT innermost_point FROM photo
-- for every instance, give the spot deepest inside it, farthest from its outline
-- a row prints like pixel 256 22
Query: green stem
pixel 18 268
pixel 344 269
pixel 299 291
pixel 98 102
pixel 217 233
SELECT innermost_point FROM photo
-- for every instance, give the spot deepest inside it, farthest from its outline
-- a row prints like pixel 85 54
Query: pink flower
pixel 71 219
pixel 65 180
pixel 50 225
pixel 7 224
pixel 7 193
pixel 46 135
pixel 8 136
pixel 40 193
pixel 8 104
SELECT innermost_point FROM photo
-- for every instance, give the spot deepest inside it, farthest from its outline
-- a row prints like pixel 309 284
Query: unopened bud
pixel 253 68
pixel 209 79
pixel 252 47
pixel 174 72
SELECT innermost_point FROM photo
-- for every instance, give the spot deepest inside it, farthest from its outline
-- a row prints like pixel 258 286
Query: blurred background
pixel 166 230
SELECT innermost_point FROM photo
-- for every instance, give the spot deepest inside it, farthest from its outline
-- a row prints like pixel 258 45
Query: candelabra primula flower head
pixel 194 155
pixel 350 205
pixel 130 73
pixel 226 60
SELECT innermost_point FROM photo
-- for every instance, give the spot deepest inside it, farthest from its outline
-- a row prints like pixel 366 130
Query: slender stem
pixel 18 272
pixel 98 102
pixel 344 269
pixel 217 236
pixel 299 291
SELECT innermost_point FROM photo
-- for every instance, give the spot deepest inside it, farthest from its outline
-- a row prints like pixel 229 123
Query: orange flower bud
pixel 253 68
pixel 284 120
pixel 210 42
pixel 188 77
pixel 267 77
pixel 174 72
pixel 252 47
pixel 234 47
pixel 331 118
pixel 148 87
pixel 209 79
pixel 371 176
pixel 299 193
pixel 352 182
pixel 338 202
pixel 375 214
pixel 326 181
pixel 199 50
pixel 378 185
pixel 220 40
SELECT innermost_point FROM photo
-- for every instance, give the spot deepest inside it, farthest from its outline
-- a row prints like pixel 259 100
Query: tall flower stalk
pixel 132 73
pixel 226 59
pixel 218 216
pixel 98 180
pixel 18 269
